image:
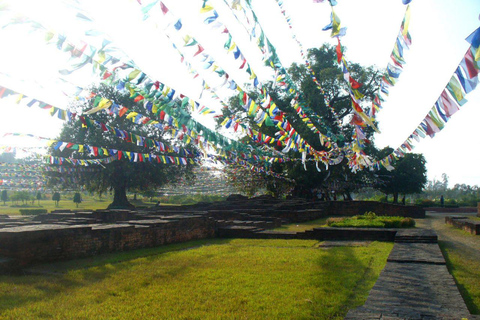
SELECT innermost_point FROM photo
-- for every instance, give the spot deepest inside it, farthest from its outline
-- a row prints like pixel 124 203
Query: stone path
pixel 415 284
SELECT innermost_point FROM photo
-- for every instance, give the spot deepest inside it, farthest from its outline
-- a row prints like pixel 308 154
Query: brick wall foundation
pixel 47 242
pixel 352 208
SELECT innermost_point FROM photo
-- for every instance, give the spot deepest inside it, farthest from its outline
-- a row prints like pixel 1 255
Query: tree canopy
pixel 103 135
pixel 331 112
pixel 408 177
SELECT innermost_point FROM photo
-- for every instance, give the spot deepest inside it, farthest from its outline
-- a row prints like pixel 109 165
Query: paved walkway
pixel 415 284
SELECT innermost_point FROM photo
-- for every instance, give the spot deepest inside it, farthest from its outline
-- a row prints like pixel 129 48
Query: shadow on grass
pixel 351 274
pixel 49 280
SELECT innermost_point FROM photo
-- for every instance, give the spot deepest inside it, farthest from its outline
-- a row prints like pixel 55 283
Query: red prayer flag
pixel 470 64
pixel 339 51
pixel 200 49
pixel 138 98
pixel 164 9
pixel 354 84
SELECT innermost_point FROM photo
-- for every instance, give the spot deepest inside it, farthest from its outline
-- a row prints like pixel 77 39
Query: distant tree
pixel 39 197
pixel 150 194
pixel 4 197
pixel 56 197
pixel 408 177
pixel 23 196
pixel 77 198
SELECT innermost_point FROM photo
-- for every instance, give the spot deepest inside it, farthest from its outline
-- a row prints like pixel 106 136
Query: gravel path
pixel 468 243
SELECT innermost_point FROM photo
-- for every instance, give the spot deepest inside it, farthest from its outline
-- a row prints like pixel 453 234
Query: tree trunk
pixel 395 197
pixel 119 183
pixel 120 200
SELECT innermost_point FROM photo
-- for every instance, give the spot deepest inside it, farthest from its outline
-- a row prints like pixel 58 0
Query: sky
pixel 438 29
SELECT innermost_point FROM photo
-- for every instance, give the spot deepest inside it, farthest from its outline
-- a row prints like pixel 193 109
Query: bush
pixel 191 199
pixel 331 221
pixel 425 203
pixel 29 212
pixel 398 222
pixel 371 220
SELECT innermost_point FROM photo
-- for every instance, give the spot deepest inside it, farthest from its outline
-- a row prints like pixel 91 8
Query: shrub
pixel 408 223
pixel 331 221
pixel 371 220
pixel 32 211
pixel 425 203
pixel 358 223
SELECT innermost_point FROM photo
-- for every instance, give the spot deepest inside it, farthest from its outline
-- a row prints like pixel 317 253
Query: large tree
pixel 337 178
pixel 120 175
pixel 409 175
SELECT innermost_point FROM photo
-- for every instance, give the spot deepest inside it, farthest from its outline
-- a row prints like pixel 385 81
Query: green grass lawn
pixel 464 265
pixel 87 204
pixel 213 279
pixel 377 222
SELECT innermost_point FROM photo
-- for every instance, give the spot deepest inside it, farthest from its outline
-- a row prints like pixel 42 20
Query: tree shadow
pixel 352 272
pixel 50 280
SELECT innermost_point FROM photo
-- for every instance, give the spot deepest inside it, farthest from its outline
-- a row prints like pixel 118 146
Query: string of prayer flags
pixel 464 80
pixel 260 117
pixel 309 65
pixel 395 66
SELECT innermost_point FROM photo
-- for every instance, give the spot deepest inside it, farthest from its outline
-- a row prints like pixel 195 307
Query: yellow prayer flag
pixel 206 8
pixel 101 57
pixel 232 47
pixel 335 24
pixel 20 97
pixel 132 115
pixel 133 74
pixel 406 21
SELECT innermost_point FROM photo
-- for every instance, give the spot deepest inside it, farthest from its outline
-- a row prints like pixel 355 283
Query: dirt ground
pixel 454 237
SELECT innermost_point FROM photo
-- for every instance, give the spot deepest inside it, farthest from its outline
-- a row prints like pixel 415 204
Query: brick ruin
pixel 63 235
pixel 468 225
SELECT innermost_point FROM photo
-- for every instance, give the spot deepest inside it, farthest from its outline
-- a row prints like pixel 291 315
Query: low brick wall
pixel 352 208
pixel 47 242
pixel 321 234
pixel 468 225
pixel 452 210
pixel 478 209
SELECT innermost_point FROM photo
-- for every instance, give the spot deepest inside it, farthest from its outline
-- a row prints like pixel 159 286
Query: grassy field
pixel 87 204
pixel 464 264
pixel 210 279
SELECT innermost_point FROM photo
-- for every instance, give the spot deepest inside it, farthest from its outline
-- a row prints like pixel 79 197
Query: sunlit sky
pixel 438 29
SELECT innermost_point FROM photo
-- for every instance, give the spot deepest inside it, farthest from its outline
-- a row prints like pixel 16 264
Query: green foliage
pixel 4 196
pixel 39 197
pixel 213 279
pixel 23 196
pixel 369 215
pixel 56 196
pixel 77 198
pixel 408 177
pixel 461 195
pixel 191 199
pixel 371 220
pixel 26 212
pixel 121 175
pixel 338 178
